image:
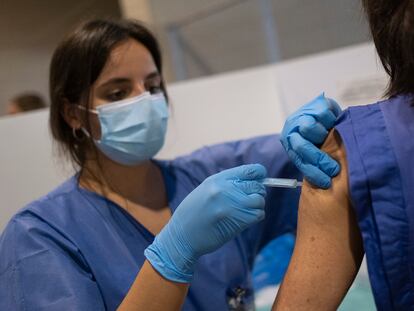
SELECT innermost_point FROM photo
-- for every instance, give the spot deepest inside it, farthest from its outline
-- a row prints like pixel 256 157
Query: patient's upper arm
pixel 328 249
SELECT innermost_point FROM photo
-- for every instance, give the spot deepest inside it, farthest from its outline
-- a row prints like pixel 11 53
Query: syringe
pixel 281 183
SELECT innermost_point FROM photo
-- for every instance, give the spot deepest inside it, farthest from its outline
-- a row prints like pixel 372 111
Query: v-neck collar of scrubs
pixel 149 236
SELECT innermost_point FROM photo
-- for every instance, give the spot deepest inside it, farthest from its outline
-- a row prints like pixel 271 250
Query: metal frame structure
pixel 181 48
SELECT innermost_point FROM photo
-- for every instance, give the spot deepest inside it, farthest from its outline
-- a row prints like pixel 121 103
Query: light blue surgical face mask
pixel 132 130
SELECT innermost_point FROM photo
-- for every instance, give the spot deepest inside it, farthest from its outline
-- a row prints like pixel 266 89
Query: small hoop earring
pixel 76 136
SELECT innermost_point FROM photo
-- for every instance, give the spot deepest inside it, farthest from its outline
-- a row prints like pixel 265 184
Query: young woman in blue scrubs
pixel 370 206
pixel 130 232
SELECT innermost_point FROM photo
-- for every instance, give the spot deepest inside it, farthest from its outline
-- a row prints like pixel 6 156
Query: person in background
pixel 25 102
pixel 370 206
pixel 130 232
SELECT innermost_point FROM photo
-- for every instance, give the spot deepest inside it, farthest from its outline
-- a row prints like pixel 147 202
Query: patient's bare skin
pixel 328 250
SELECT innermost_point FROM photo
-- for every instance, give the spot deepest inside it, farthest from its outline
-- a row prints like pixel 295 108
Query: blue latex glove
pixel 304 131
pixel 212 214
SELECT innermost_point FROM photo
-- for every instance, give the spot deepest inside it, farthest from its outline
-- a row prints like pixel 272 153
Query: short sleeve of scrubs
pixel 45 271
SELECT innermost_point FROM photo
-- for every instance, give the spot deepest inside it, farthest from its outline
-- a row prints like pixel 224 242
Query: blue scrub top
pixel 379 145
pixel 75 250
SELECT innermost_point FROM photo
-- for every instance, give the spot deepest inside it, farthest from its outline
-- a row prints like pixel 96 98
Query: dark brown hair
pixel 28 101
pixel 392 28
pixel 76 64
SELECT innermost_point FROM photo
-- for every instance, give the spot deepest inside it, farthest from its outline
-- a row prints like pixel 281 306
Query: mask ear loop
pixel 83 130
pixel 87 110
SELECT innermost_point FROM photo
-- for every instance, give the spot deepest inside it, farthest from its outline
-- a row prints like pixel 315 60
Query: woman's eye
pixel 116 95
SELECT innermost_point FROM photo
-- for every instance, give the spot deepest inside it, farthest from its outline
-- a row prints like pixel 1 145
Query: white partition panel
pixel 27 168
pixel 353 76
pixel 227 107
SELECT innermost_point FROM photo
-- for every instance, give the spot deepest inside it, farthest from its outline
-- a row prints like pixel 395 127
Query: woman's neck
pixel 142 184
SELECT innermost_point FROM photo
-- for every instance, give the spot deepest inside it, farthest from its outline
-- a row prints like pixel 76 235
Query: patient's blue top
pixel 379 143
pixel 75 250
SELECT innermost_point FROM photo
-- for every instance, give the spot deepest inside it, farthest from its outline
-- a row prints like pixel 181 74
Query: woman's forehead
pixel 128 58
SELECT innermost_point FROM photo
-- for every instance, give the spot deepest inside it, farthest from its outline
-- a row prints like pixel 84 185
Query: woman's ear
pixel 71 114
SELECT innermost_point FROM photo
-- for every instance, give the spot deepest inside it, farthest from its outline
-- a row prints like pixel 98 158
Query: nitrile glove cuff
pixel 167 270
pixel 168 256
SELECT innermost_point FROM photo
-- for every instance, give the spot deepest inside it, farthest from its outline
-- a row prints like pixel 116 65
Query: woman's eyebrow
pixel 117 80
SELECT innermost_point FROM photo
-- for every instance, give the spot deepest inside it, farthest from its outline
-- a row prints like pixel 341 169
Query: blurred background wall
pixel 199 38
